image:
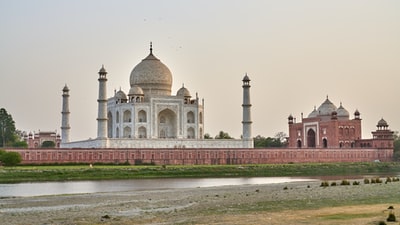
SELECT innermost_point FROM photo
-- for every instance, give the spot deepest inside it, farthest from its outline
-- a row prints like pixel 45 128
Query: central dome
pixel 326 108
pixel 152 76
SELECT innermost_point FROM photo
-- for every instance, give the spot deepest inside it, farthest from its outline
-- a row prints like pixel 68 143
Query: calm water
pixel 74 187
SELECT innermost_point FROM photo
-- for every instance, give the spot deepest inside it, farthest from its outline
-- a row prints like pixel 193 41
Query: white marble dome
pixel 120 95
pixel 152 76
pixel 135 90
pixel 183 92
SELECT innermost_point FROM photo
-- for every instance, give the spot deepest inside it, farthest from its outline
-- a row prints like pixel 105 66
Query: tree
pixel 10 158
pixel 223 135
pixel 207 136
pixel 7 128
pixel 268 142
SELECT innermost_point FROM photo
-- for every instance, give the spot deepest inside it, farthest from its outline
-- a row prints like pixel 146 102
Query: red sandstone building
pixel 331 127
pixel 36 140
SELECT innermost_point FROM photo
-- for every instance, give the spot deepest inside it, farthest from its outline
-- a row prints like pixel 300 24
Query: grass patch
pixel 106 172
pixel 348 216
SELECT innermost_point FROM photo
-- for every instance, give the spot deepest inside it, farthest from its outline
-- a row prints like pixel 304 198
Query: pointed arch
pixel 325 143
pixel 190 117
pixel 190 133
pixel 127 116
pixel 142 132
pixel 201 117
pixel 298 143
pixel 167 124
pixel 109 125
pixel 311 138
pixel 142 116
pixel 127 132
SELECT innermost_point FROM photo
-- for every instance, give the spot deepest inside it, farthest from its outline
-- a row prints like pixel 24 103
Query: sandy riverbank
pixel 289 203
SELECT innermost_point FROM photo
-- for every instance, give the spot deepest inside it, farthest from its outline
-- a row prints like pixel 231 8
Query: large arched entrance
pixel 167 124
pixel 311 138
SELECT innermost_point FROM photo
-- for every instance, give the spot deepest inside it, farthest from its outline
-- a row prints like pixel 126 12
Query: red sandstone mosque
pixel 332 127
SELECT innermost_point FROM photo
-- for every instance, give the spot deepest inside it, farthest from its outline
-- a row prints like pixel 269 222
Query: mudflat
pixel 287 203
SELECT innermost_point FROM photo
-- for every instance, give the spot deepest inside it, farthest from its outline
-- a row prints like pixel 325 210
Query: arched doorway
pixel 142 132
pixel 190 133
pixel 298 143
pixel 311 138
pixel 167 124
pixel 325 142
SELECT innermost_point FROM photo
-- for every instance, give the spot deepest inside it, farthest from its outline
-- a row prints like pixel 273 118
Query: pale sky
pixel 295 53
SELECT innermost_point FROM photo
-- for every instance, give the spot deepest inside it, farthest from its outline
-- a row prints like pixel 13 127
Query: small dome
pixel 357 113
pixel 120 95
pixel 135 90
pixel 382 123
pixel 183 92
pixel 326 108
pixel 290 117
pixel 342 112
pixel 313 114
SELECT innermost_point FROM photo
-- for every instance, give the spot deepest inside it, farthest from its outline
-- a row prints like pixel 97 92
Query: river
pixel 76 187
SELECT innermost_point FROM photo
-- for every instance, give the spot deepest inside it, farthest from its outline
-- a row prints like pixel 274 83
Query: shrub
pixel 378 180
pixel 388 179
pixel 366 181
pixel 391 218
pixel 10 158
pixel 356 182
pixel 395 179
pixel 324 184
pixel 333 183
pixel 345 182
pixel 382 223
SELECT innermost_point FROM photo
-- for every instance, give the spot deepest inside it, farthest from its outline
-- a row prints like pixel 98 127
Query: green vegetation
pixel 104 172
pixel 9 158
pixel 276 142
pixel 9 136
pixel 223 135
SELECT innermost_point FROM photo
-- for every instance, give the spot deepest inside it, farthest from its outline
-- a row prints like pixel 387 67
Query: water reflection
pixel 75 187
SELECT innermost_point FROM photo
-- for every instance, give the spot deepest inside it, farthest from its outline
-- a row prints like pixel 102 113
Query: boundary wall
pixel 211 156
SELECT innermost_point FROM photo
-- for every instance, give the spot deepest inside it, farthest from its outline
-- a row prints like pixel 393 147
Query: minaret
pixel 102 110
pixel 246 109
pixel 65 128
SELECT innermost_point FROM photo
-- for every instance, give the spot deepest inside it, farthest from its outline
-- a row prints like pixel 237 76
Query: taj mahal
pixel 151 124
pixel 150 116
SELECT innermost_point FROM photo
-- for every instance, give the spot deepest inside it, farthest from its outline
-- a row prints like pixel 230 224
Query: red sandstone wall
pixel 202 156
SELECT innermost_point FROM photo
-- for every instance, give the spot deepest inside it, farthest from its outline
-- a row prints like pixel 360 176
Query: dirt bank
pixel 290 203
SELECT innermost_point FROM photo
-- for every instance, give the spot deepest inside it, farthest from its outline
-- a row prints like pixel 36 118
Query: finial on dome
pixel 327 97
pixel 151 47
